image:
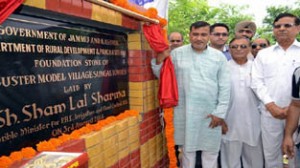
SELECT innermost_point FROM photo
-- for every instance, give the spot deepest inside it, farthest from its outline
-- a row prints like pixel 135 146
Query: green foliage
pixel 182 13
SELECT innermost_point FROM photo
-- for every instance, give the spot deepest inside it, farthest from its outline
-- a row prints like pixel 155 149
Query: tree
pixel 182 13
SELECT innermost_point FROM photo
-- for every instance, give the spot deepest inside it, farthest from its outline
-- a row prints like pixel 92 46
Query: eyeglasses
pixel 242 46
pixel 261 45
pixel 285 25
pixel 178 41
pixel 246 31
pixel 220 34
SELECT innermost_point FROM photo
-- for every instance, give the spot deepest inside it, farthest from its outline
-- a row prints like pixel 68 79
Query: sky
pixel 256 7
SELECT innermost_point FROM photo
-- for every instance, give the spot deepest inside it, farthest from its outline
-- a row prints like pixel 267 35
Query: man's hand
pixel 215 121
pixel 276 111
pixel 162 56
pixel 288 146
pixel 224 127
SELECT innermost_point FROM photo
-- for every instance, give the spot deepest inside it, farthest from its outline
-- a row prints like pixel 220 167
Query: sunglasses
pixel 220 34
pixel 178 41
pixel 262 45
pixel 243 46
pixel 285 25
pixel 246 31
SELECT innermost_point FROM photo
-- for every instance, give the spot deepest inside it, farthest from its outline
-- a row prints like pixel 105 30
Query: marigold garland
pixel 152 13
pixel 5 162
pixel 45 146
pixel 28 152
pixel 64 138
pixel 55 142
pixel 169 130
pixel 75 134
pixel 16 156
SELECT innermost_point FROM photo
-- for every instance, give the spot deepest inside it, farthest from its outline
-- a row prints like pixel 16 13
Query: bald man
pixel 175 40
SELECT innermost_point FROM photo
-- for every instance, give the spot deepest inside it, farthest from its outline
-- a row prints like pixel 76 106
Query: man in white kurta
pixel 243 139
pixel 271 81
pixel 204 87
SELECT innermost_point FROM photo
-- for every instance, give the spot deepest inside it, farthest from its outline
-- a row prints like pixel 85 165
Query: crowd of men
pixel 236 107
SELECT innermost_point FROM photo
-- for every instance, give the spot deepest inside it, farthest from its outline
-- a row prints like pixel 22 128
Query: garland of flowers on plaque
pixel 53 143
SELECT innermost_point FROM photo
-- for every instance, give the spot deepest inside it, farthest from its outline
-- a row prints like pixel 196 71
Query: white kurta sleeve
pixel 257 81
pixel 224 91
pixel 156 68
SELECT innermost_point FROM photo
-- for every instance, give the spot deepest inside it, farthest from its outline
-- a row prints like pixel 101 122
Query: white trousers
pixel 208 159
pixel 272 136
pixel 233 151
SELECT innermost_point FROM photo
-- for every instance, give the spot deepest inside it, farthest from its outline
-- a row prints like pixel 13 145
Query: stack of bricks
pixel 134 142
pixel 143 88
pixel 94 148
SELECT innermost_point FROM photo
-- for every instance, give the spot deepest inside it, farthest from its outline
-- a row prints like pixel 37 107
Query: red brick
pixel 140 69
pixel 115 165
pixel 135 154
pixel 86 9
pixel 126 165
pixel 152 133
pixel 137 78
pixel 76 8
pixel 144 138
pixel 124 161
pixel 52 5
pixel 135 162
pixel 144 124
pixel 143 131
pixel 135 61
pixel 130 23
pixel 73 146
pixel 65 6
pixel 137 53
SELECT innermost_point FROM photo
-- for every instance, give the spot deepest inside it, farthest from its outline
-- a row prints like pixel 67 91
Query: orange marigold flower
pixel 122 116
pixel 64 138
pixel 132 8
pixel 28 152
pixel 98 125
pixel 75 134
pixel 55 142
pixel 152 13
pixel 5 162
pixel 133 113
pixel 163 22
pixel 91 127
pixel 85 130
pixel 16 156
pixel 45 146
pixel 109 120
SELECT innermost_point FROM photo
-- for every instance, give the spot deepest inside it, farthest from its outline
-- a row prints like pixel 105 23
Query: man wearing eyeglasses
pixel 271 77
pixel 175 40
pixel 219 33
pixel 245 29
pixel 203 80
pixel 243 138
pixel 258 44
